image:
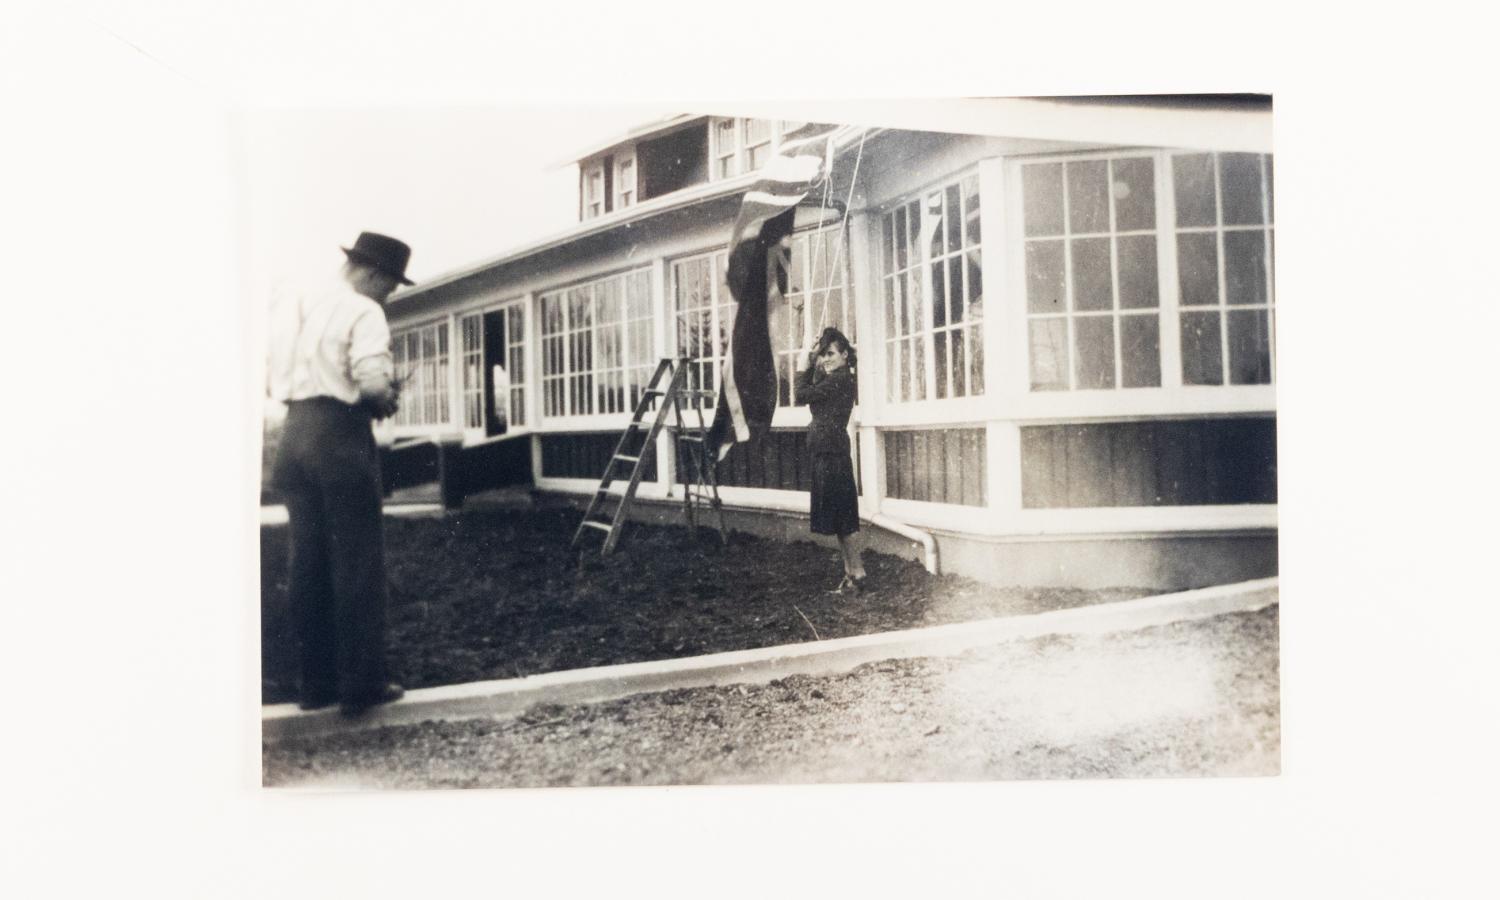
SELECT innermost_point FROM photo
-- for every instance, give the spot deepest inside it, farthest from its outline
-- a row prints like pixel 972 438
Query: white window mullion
pixel 1222 273
pixel 1269 235
pixel 455 383
pixel 1117 321
pixel 1168 296
pixel 1069 313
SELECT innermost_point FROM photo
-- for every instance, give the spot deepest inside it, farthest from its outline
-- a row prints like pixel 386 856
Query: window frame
pixel 570 338
pixel 426 399
pixel 1219 229
pixel 786 415
pixel 1172 397
pixel 593 206
pixel 930 407
pixel 739 156
pixel 516 339
pixel 627 197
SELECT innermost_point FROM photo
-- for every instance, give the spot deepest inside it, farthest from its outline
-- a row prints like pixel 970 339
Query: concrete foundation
pixel 1166 562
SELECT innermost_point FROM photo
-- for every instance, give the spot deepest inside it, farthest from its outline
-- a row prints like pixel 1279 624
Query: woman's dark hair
pixel 836 338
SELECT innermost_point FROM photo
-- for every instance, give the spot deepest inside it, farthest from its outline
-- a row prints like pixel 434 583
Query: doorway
pixel 496 377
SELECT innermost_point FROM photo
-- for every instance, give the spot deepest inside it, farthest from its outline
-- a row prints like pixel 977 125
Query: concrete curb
pixel 512 696
pixel 276 515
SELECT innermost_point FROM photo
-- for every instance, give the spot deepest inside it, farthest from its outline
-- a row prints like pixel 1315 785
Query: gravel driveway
pixel 1192 698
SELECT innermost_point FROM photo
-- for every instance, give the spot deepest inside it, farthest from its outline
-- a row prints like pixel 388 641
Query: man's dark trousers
pixel 328 471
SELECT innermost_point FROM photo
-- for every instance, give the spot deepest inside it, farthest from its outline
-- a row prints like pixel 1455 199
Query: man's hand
pixel 381 407
pixel 379 397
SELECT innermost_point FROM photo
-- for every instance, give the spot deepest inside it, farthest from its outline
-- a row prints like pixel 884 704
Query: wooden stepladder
pixel 697 479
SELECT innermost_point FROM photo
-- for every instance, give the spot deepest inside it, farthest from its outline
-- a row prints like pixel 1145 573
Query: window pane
pixel 757 130
pixel 1049 354
pixel 956 365
pixel 1239 181
pixel 1198 269
pixel 1095 360
pixel 976 360
pixel 1249 347
pixel 1245 267
pixel 1092 289
pixel 939 297
pixel 941 361
pixel 1193 182
pixel 899 220
pixel 1271 187
pixel 975 285
pixel 1138 287
pixel 919 367
pixel 801 257
pixel 890 306
pixel 913 233
pixel 971 210
pixel 887 246
pixel 893 373
pixel 1134 189
pixel 1140 351
pixel 955 289
pixel 951 220
pixel 1202 355
pixel 905 369
pixel 1088 197
pixel 1044 276
pixel 1041 186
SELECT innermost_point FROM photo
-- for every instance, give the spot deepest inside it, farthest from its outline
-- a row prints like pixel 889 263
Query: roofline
pixel 843 140
pixel 634 134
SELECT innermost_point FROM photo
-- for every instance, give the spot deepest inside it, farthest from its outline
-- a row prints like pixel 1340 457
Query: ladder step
pixel 692 437
pixel 629 459
pixel 602 526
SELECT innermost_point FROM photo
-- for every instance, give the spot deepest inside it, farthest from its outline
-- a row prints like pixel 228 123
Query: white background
pixel 130 460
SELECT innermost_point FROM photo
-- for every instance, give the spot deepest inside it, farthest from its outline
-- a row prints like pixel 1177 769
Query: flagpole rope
pixel 818 250
pixel 843 224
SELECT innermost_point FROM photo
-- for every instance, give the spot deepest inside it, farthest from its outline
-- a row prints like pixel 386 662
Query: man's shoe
pixel 312 703
pixel 384 694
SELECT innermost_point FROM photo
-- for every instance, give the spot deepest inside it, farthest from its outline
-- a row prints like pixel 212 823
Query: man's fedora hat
pixel 381 252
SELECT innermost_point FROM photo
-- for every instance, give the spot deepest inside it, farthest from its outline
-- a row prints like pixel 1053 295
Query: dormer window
pixel 745 145
pixel 757 143
pixel 726 148
pixel 626 193
pixel 593 191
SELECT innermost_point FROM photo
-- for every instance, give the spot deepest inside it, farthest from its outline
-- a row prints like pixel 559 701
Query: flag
pixel 757 279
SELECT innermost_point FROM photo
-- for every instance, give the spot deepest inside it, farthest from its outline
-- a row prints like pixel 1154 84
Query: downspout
pixel 928 542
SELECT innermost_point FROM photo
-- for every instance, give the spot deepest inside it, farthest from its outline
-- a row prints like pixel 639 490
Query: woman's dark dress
pixel 830 398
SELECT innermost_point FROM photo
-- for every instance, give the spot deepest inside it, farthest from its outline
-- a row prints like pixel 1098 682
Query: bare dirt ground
pixel 498 594
pixel 1187 699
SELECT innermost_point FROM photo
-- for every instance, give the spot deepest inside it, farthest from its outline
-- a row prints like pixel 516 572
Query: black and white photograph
pixel 690 450
pixel 813 446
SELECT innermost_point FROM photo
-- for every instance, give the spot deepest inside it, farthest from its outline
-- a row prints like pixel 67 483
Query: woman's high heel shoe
pixel 850 586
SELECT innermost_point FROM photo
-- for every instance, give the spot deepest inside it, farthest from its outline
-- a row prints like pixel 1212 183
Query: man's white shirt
pixel 324 341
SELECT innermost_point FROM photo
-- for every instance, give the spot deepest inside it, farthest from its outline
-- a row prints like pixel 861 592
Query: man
pixel 330 362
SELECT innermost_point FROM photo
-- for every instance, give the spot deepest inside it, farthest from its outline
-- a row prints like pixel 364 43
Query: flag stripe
pixel 747 392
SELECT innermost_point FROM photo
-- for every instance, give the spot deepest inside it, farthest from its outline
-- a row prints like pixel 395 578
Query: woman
pixel 826 384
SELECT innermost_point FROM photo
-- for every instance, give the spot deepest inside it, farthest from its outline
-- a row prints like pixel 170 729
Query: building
pixel 1065 326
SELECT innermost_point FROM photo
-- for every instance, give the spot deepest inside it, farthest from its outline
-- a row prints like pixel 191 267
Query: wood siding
pixel 586 455
pixel 936 465
pixel 777 461
pixel 408 465
pixel 496 464
pixel 1204 462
